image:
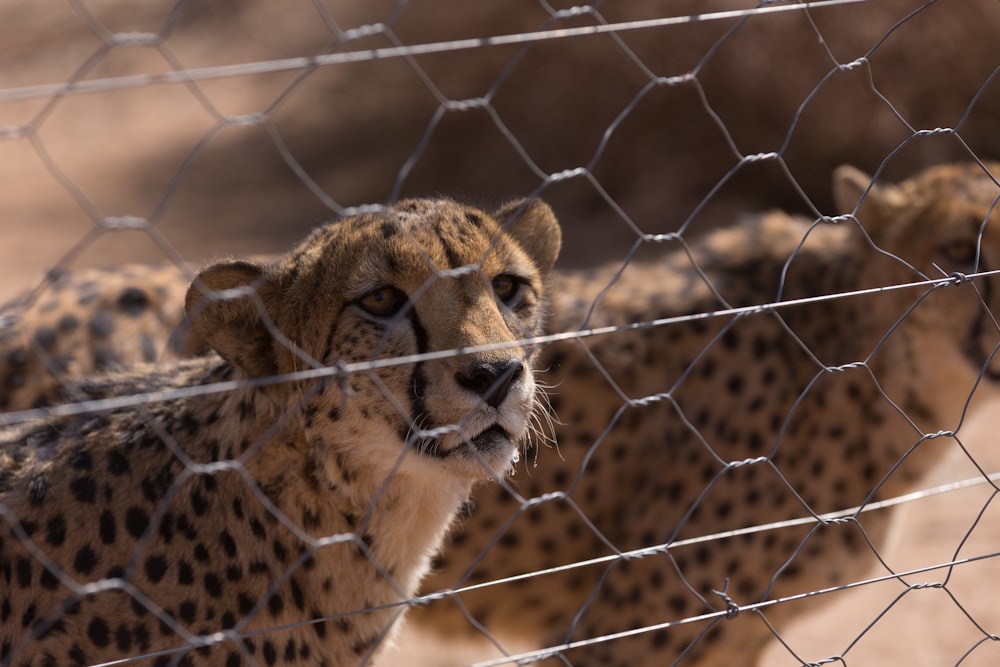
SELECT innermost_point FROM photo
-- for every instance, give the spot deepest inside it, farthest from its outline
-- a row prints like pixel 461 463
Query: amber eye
pixel 960 251
pixel 383 302
pixel 506 287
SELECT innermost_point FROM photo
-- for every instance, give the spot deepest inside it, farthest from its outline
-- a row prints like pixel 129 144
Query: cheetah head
pixel 435 293
pixel 942 222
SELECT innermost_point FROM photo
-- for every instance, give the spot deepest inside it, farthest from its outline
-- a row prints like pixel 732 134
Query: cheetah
pixel 88 322
pixel 281 520
pixel 673 425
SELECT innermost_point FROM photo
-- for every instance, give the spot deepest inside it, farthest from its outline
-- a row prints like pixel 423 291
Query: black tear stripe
pixel 328 346
pixel 418 379
pixel 977 353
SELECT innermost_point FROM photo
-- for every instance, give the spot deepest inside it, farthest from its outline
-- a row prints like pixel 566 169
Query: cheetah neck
pixel 396 509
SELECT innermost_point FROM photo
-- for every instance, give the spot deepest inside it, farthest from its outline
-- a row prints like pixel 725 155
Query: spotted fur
pixel 79 323
pixel 259 525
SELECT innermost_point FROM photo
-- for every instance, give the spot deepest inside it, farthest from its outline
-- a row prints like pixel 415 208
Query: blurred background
pixel 677 126
pixel 660 117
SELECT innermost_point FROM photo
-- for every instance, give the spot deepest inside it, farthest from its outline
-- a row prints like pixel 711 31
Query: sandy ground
pixel 938 616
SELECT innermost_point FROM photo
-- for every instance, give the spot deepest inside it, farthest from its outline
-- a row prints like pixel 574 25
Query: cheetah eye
pixel 960 251
pixel 506 287
pixel 382 302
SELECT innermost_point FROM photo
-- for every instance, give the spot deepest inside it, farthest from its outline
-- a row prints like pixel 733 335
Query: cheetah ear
pixel 229 306
pixel 875 204
pixel 533 225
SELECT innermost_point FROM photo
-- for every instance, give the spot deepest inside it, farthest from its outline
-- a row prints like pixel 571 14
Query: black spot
pixel 201 553
pixel 297 597
pixel 269 652
pixel 29 527
pixel 257 528
pixel 48 580
pixel 77 655
pixel 228 543
pixel 233 659
pixel 213 585
pixel 362 645
pixel 275 604
pixel 136 521
pixel 80 459
pixel 84 489
pixel 133 301
pixel 510 540
pixel 167 527
pixel 98 632
pixel 117 462
pixel 24 572
pixel 156 568
pixel 185 527
pixel 310 519
pixel 185 574
pixel 68 323
pixel 187 611
pixel 289 654
pixel 730 340
pixel 245 603
pixel 85 560
pixel 123 638
pixel 28 617
pixel 107 528
pixel 280 552
pixel 259 567
pixel 198 503
pixel 318 626
pixel 46 338
pixel 18 357
pixel 102 324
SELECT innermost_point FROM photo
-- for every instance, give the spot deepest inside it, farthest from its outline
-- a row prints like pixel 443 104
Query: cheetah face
pixel 943 222
pixel 435 296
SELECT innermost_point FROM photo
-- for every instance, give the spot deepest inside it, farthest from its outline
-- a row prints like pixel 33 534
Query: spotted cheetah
pixel 280 520
pixel 91 321
pixel 705 424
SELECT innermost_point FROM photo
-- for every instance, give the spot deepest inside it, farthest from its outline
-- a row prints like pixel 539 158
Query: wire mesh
pixel 737 397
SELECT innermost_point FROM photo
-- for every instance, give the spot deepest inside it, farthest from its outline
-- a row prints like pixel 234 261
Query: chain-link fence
pixel 736 400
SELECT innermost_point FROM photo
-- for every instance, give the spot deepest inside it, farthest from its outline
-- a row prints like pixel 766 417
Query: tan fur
pixel 830 398
pixel 317 499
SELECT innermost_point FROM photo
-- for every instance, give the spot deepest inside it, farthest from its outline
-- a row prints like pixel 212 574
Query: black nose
pixel 490 380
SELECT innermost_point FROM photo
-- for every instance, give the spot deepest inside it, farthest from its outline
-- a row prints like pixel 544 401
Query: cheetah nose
pixel 491 380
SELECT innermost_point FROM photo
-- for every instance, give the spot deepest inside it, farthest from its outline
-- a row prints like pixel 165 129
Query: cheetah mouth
pixel 490 439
